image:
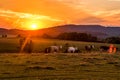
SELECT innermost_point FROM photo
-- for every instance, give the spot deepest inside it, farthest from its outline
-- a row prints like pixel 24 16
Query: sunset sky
pixel 22 14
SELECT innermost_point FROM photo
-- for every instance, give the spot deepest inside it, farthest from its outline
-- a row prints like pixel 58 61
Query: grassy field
pixel 62 66
pixel 57 66
pixel 9 45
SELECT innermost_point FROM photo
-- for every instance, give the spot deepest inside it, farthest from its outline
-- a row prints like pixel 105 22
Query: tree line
pixel 74 36
pixel 77 37
pixel 114 40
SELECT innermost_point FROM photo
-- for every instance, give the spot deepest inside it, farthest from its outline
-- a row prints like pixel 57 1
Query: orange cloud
pixel 51 8
pixel 51 12
pixel 17 18
pixel 56 12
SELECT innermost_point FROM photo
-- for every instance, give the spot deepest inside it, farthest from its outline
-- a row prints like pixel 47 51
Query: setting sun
pixel 34 26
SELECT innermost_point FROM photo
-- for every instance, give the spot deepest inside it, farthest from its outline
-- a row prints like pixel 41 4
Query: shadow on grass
pixel 39 68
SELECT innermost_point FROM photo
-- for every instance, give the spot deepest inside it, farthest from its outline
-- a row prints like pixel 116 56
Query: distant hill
pixel 96 30
pixel 11 31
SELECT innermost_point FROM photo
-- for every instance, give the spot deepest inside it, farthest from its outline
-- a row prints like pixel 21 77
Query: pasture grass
pixel 10 45
pixel 61 66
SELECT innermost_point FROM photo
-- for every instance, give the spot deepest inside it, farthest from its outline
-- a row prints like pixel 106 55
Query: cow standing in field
pixel 104 48
pixel 89 48
pixel 110 49
pixel 47 50
pixel 53 49
pixel 73 50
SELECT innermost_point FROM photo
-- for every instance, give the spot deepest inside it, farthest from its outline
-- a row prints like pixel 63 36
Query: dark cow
pixel 47 50
pixel 104 48
pixel 89 47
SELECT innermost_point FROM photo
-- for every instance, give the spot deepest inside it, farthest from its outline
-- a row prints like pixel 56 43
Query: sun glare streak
pixel 25 43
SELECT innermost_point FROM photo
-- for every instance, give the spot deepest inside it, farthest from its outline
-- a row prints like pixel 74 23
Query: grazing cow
pixel 47 50
pixel 73 50
pixel 89 47
pixel 53 49
pixel 104 48
pixel 110 49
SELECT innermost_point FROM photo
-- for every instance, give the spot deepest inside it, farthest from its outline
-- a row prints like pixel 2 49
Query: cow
pixel 47 50
pixel 89 47
pixel 110 49
pixel 73 50
pixel 104 48
pixel 53 49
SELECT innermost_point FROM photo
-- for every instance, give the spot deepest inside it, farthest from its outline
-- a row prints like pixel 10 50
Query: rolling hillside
pixel 96 30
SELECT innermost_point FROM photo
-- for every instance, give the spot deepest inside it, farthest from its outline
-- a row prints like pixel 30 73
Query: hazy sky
pixel 46 13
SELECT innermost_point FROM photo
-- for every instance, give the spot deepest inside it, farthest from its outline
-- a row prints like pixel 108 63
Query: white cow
pixel 72 49
pixel 53 49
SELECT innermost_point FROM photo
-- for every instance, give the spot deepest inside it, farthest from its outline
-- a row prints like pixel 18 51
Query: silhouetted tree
pixel 115 40
pixel 77 36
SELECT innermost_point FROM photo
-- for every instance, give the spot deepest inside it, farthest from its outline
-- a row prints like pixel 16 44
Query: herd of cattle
pixel 55 49
pixel 67 48
pixel 72 49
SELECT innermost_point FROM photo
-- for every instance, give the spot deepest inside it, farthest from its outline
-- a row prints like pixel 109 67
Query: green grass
pixel 62 66
pixel 10 44
pixel 59 66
